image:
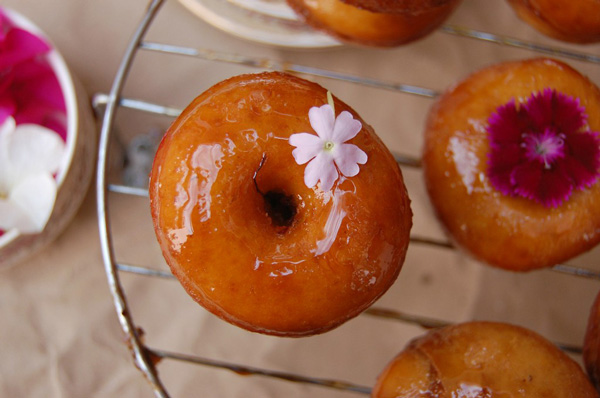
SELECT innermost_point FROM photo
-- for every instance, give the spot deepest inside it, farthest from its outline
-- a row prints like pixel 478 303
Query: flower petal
pixel 525 179
pixel 322 121
pixel 36 81
pixel 506 125
pixel 569 115
pixel 347 158
pixel 539 108
pixel 8 104
pixel 20 45
pixel 55 121
pixel 307 146
pixel 580 176
pixel 553 108
pixel 35 195
pixel 5 25
pixel 501 161
pixel 345 127
pixel 584 149
pixel 13 216
pixel 33 149
pixel 321 168
pixel 549 187
pixel 6 130
pixel 7 108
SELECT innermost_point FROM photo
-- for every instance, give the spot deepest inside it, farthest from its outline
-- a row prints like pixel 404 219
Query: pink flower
pixel 18 45
pixel 29 89
pixel 327 153
pixel 543 149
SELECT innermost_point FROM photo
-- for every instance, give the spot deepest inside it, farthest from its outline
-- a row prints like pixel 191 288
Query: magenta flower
pixel 543 149
pixel 29 89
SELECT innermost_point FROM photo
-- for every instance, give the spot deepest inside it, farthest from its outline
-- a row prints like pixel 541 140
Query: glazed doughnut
pixel 576 21
pixel 482 359
pixel 397 6
pixel 591 344
pixel 511 161
pixel 358 26
pixel 257 235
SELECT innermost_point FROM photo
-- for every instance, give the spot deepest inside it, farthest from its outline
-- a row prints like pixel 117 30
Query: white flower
pixel 327 149
pixel 29 156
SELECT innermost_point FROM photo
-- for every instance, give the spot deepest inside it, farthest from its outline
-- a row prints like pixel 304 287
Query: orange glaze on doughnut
pixel 482 359
pixel 358 26
pixel 576 21
pixel 341 250
pixel 397 6
pixel 513 233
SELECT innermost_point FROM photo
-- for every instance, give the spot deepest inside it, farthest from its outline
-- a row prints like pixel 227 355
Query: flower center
pixel 545 147
pixel 328 146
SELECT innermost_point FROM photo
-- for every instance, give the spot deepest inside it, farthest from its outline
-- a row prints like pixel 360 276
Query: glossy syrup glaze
pixel 216 165
pixel 482 360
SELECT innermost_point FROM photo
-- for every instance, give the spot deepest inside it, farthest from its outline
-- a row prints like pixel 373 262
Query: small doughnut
pixel 511 162
pixel 276 211
pixel 575 21
pixel 362 27
pixel 482 359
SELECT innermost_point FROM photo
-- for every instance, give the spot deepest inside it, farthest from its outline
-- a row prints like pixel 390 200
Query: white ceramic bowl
pixel 76 170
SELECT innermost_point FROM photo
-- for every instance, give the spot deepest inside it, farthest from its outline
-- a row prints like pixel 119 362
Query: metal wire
pixel 248 370
pixel 517 43
pixel 146 358
pixel 271 64
pixel 141 359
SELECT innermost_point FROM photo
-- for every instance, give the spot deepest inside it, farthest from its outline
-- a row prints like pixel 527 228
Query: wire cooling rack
pixel 147 358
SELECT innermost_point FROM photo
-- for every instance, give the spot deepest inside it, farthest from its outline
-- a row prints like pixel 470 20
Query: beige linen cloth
pixel 59 335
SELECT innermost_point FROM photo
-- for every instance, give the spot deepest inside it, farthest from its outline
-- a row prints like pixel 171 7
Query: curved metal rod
pixel 140 356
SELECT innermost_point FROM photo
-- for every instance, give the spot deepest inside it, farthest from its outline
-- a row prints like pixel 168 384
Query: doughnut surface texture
pixel 576 21
pixel 305 260
pixel 482 360
pixel 510 232
pixel 397 6
pixel 379 29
